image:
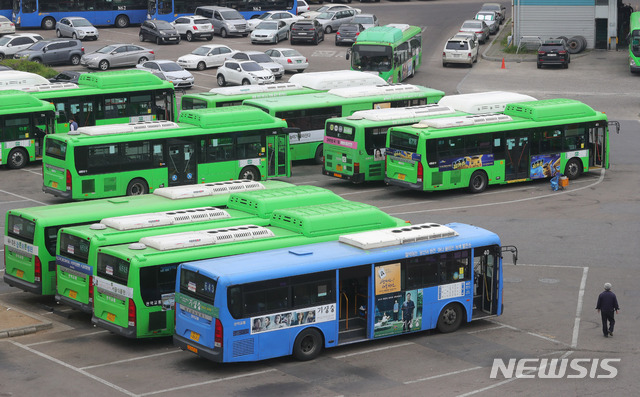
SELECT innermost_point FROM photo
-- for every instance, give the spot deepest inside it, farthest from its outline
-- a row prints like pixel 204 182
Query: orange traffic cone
pixel 503 66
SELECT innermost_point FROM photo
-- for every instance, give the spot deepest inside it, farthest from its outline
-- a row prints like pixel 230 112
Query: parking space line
pixel 207 382
pixel 442 375
pixel 373 350
pixel 576 324
pixel 31 171
pixel 486 329
pixel 22 197
pixel 11 202
pixel 71 367
pixel 58 340
pixel 131 359
pixel 363 192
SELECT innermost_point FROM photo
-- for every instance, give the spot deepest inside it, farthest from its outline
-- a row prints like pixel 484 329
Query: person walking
pixel 73 125
pixel 606 306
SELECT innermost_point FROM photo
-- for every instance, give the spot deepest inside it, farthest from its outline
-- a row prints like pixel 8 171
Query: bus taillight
pixel 356 168
pixel 68 180
pixel 132 313
pixel 91 289
pixel 38 270
pixel 420 172
pixel 217 342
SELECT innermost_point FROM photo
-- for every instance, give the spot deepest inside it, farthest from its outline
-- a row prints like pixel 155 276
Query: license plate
pixel 302 34
pixel 172 38
pixel 54 184
pixel 299 61
pixel 401 176
pixel 192 349
pixel 337 175
pixel 73 294
pixel 20 273
pixel 551 55
pixel 195 336
pixel 111 317
pixel 456 55
pixel 339 167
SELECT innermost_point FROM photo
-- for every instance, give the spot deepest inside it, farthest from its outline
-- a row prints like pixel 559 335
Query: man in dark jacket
pixel 606 306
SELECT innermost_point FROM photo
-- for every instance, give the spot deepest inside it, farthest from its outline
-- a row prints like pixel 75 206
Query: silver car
pixel 270 32
pixel 478 27
pixel 366 20
pixel 331 20
pixel 76 28
pixel 490 18
pixel 170 71
pixel 117 55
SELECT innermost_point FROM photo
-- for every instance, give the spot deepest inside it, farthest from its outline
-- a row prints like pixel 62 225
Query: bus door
pixel 485 281
pixel 516 155
pixel 596 146
pixel 353 310
pixel 277 155
pixel 181 166
pixel 82 111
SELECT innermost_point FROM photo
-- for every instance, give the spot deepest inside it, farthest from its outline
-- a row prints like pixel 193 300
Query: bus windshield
pixel 635 42
pixel 340 131
pixel 372 57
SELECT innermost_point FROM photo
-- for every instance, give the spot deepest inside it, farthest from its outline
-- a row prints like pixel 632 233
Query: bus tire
pixel 573 169
pixel 18 158
pixel 250 172
pixel 319 155
pixel 308 345
pixel 450 318
pixel 478 182
pixel 122 21
pixel 48 23
pixel 137 187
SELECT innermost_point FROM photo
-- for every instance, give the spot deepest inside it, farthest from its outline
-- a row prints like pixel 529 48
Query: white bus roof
pixel 401 26
pixel 409 112
pixel 167 242
pixel 166 218
pixel 483 102
pixel 208 189
pixel 324 81
pixel 356 92
pixel 255 89
pixel 16 79
pixel 124 128
pixel 49 87
pixel 461 121
pixel 397 235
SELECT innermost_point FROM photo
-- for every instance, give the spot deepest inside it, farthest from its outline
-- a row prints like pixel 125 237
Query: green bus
pixel 30 234
pixel 634 42
pixel 233 96
pixel 529 140
pixel 24 121
pixel 309 112
pixel 235 142
pixel 77 246
pixel 122 96
pixel 394 51
pixel 135 283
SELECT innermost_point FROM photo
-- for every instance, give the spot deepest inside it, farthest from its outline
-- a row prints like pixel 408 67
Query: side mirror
pixel 44 49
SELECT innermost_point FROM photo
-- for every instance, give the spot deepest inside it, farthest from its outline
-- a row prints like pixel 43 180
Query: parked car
pixel 289 58
pixel 69 76
pixel 53 51
pixel 478 27
pixel 303 7
pixel 193 27
pixel 468 35
pixel 460 50
pixel 331 20
pixel 170 71
pixel 244 73
pixel 270 32
pixel 4 67
pixel 12 43
pixel 328 7
pixel 263 59
pixel 158 31
pixel 76 28
pixel 490 18
pixel 226 21
pixel 348 33
pixel 206 56
pixel 499 9
pixel 114 55
pixel 366 20
pixel 6 26
pixel 554 52
pixel 307 30
pixel 285 16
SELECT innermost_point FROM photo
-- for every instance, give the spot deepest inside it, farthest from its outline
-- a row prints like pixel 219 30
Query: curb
pixel 26 330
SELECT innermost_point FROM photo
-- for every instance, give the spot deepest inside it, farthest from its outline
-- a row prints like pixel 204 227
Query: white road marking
pixel 576 324
pixel 22 197
pixel 373 350
pixel 442 375
pixel 131 359
pixel 58 340
pixel 207 383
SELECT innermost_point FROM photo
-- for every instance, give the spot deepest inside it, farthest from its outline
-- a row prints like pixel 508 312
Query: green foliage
pixel 511 49
pixel 32 67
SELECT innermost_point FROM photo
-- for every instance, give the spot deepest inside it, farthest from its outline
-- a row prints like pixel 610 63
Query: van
pixel 53 51
pixel 15 79
pixel 460 50
pixel 226 21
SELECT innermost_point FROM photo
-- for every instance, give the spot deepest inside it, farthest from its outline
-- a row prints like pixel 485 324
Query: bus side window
pixel 61 114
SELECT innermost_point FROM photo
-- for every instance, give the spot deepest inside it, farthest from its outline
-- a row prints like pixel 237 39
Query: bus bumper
pixel 204 352
pixel 355 178
pixel 129 332
pixel 23 285
pixel 74 304
pixel 634 68
pixel 56 192
pixel 403 184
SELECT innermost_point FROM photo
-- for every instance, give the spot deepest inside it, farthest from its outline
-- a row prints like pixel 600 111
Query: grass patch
pixel 31 67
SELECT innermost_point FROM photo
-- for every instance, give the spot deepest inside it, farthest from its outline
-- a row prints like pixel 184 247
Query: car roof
pixel 365 15
pixel 12 35
pixel 77 18
pixel 250 52
pixel 163 61
pixel 282 48
pixel 212 46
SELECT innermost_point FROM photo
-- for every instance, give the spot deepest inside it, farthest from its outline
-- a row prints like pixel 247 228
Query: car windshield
pixel 163 25
pixel 37 46
pixel 268 25
pixel 81 22
pixel 485 17
pixel 371 57
pixel 325 15
pixel 260 58
pixel 457 45
pixel 472 25
pixel 323 9
pixel 291 53
pixel 265 16
pixel 201 51
pixel 170 67
pixel 106 49
pixel 362 20
pixel 4 40
pixel 250 66
pixel 231 15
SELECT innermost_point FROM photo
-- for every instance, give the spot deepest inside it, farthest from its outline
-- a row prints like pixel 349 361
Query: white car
pixel 76 28
pixel 270 32
pixel 289 58
pixel 366 20
pixel 6 26
pixel 206 56
pixel 263 59
pixel 285 16
pixel 170 71
pixel 326 8
pixel 243 72
pixel 194 27
pixel 460 50
pixel 12 43
pixel 303 7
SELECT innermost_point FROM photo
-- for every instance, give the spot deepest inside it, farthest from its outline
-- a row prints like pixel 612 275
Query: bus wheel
pixel 318 156
pixel 308 345
pixel 137 187
pixel 250 172
pixel 18 158
pixel 573 168
pixel 122 21
pixel 450 318
pixel 478 182
pixel 48 23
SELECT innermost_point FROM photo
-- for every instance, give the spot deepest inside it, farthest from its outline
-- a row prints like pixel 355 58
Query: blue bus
pixel 169 10
pixel 45 13
pixel 5 8
pixel 365 286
